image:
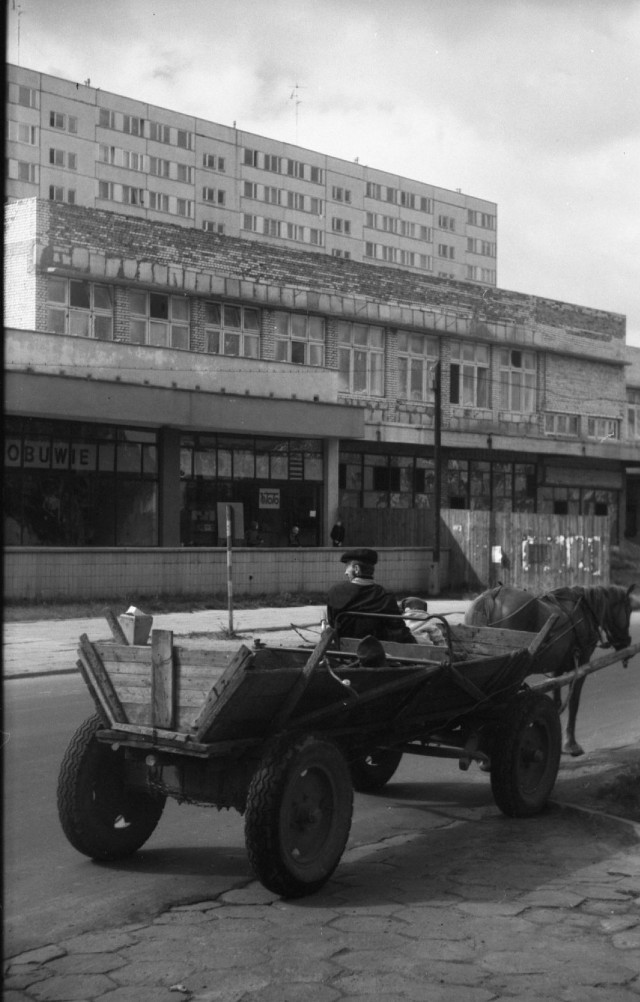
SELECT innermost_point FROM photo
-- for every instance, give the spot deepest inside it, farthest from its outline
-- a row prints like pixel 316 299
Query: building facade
pixel 156 375
pixel 74 143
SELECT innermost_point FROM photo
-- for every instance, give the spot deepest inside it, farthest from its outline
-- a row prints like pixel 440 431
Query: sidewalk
pixel 475 906
pixel 49 646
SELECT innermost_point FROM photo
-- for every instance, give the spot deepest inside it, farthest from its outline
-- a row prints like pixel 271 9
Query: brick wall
pixel 129 575
pixel 168 255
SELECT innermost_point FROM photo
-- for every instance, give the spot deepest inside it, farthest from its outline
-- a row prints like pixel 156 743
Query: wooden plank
pixel 414 653
pixel 222 691
pixel 492 635
pixel 595 664
pixel 302 682
pixel 117 632
pixel 101 680
pixel 162 679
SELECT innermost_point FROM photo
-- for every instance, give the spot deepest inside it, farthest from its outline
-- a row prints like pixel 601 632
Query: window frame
pixel 247 334
pixel 299 338
pixel 470 376
pixel 353 341
pixel 517 381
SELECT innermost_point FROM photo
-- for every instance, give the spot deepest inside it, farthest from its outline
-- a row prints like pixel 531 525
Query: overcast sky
pixel 533 104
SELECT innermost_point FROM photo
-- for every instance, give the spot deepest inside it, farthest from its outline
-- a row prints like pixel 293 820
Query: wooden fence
pixel 536 552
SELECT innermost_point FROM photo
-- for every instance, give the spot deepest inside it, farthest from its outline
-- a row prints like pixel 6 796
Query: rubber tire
pixel 93 800
pixel 373 771
pixel 292 852
pixel 526 755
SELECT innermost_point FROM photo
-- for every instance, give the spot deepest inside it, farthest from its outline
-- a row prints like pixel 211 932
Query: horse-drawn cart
pixel 284 735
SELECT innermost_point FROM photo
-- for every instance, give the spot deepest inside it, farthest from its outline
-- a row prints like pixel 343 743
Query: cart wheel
pixel 298 817
pixel 372 771
pixel 526 755
pixel 100 816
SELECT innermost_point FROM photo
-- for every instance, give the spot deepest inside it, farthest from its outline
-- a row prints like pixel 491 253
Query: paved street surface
pixel 463 904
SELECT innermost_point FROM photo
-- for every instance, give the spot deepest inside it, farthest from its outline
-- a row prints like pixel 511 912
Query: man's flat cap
pixel 359 556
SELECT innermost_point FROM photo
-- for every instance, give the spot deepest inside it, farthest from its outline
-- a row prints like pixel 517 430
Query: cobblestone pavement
pixel 473 910
pixel 467 905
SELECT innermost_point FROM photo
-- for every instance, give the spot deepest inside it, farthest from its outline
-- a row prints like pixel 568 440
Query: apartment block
pixel 73 143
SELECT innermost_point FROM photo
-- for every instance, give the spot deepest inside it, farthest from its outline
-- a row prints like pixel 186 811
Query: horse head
pixel 615 617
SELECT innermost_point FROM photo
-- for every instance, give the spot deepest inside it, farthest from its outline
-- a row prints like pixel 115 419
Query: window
pixel 261 224
pixel 57 194
pixel 417 356
pixel 567 425
pixel 213 195
pixel 445 250
pixel 232 330
pixel 106 154
pixel 184 139
pixel 57 120
pixel 340 253
pixel 133 161
pixel 517 381
pixel 213 162
pixel 210 226
pixel 341 225
pixel 106 190
pixel 446 223
pixel 83 309
pixel 20 132
pixel 373 190
pixel 132 125
pixel 184 207
pixel 469 375
pixel 21 170
pixel 251 158
pixel 477 246
pixel 159 167
pixel 484 219
pixel 158 319
pixel 132 196
pixel 56 157
pixel 602 428
pixel 360 359
pixel 272 162
pixel 106 118
pixel 299 338
pixel 159 133
pixel 426 205
pixel 159 202
pixel 26 96
pixel 407 200
pixel 340 194
pixel 633 413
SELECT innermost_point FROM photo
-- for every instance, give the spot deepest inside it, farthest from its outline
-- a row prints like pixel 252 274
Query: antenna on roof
pixel 19 11
pixel 294 96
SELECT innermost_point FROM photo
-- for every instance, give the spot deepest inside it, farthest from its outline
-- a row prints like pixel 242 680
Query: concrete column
pixel 169 487
pixel 331 490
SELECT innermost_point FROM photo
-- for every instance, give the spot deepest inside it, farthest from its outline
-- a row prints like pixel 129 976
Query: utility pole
pixel 437 459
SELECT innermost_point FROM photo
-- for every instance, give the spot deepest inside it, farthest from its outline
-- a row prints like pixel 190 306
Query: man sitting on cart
pixel 358 607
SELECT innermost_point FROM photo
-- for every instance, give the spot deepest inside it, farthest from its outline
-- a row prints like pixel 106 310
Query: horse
pixel 586 616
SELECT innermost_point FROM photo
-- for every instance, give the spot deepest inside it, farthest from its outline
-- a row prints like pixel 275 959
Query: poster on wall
pixel 237 520
pixel 269 497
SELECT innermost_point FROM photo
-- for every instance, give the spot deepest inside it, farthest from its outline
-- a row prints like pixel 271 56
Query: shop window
pixel 232 330
pixel 83 309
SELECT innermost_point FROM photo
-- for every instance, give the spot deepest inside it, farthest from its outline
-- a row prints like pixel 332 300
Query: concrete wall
pixel 131 575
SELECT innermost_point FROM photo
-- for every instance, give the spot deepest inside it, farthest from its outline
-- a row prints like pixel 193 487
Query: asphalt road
pixel 51 891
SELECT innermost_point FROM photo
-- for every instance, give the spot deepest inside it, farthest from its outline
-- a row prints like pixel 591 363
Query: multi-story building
pixel 74 143
pixel 160 372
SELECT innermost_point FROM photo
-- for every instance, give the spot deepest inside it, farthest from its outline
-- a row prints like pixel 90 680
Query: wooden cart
pixel 284 735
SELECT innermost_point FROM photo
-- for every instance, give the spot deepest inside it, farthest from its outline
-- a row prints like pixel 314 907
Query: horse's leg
pixel 571 746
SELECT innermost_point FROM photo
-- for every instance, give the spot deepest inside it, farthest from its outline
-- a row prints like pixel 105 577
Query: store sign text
pixel 45 455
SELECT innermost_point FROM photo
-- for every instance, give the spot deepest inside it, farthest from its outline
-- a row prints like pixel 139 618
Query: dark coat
pixel 346 600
